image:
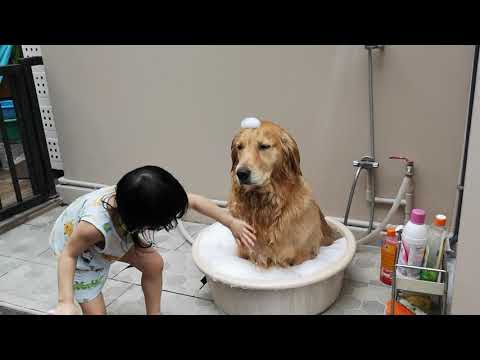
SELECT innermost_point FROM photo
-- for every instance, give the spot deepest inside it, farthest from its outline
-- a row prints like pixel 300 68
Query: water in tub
pixel 220 252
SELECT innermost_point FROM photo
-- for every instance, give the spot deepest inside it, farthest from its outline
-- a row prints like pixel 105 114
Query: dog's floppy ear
pixel 291 155
pixel 234 153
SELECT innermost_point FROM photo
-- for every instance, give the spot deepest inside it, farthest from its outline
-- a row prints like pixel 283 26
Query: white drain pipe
pixel 64 181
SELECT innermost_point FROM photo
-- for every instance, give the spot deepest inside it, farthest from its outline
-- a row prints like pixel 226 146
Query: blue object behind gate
pixel 5 52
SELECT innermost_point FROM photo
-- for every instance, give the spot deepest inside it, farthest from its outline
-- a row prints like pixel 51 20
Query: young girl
pixel 117 223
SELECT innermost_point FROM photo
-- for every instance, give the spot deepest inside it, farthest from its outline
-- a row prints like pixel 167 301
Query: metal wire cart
pixel 436 288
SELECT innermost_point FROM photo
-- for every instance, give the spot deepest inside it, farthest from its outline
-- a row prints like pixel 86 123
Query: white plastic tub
pixel 240 288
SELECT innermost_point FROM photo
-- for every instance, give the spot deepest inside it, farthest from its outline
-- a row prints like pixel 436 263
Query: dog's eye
pixel 264 146
pixel 239 147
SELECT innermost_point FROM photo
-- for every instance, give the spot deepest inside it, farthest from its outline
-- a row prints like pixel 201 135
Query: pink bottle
pixel 414 241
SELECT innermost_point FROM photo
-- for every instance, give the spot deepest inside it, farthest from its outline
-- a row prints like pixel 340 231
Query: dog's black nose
pixel 243 175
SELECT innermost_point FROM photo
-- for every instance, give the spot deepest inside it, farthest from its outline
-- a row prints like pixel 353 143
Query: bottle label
pixel 403 257
pixel 415 258
pixel 416 255
pixel 386 276
pixel 388 256
pixel 404 252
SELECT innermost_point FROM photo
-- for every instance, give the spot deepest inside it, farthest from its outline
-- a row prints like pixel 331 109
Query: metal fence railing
pixel 30 137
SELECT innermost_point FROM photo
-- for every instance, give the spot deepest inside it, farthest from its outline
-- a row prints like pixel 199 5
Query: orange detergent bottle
pixel 388 253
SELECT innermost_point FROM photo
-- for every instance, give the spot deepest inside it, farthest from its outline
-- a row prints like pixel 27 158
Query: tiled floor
pixel 8 311
pixel 28 277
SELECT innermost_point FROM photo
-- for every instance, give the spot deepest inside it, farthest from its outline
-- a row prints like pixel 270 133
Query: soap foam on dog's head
pixel 250 123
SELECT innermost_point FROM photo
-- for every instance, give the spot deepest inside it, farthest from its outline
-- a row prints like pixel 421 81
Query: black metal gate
pixel 31 183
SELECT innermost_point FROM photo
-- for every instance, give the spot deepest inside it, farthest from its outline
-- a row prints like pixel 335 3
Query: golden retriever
pixel 269 192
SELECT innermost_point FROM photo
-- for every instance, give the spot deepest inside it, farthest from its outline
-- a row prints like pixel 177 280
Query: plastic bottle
pixel 436 237
pixel 388 253
pixel 414 241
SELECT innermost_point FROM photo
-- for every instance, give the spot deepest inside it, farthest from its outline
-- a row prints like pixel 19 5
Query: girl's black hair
pixel 149 198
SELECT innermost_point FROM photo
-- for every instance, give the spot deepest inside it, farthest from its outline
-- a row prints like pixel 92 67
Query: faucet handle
pixel 407 160
pixel 409 164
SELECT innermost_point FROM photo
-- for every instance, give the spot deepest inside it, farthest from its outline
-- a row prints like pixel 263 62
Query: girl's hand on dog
pixel 243 232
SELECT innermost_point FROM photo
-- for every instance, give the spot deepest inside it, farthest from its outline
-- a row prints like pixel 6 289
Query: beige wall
pixel 466 290
pixel 118 107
